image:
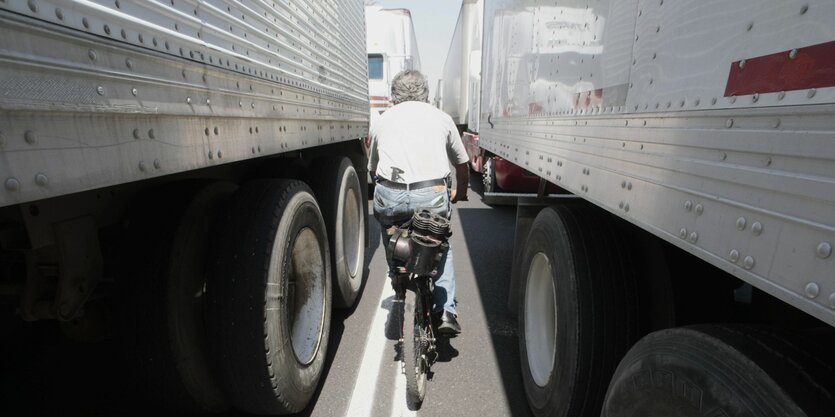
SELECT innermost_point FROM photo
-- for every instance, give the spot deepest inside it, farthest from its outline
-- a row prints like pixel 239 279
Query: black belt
pixel 412 186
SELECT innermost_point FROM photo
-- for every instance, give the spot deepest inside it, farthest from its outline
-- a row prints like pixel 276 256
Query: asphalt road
pixel 477 373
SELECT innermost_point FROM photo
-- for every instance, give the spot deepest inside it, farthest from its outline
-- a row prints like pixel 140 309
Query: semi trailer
pixel 460 97
pixel 392 47
pixel 690 271
pixel 188 171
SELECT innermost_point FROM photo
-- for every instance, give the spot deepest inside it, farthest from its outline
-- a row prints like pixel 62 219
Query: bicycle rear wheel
pixel 415 339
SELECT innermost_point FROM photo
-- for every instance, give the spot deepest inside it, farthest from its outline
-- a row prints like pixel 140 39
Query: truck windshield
pixel 375 67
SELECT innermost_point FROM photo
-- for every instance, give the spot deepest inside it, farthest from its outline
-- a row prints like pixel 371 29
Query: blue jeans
pixel 395 207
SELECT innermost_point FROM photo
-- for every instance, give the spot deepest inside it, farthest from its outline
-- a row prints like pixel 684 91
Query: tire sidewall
pixel 303 377
pixel 331 179
pixel 249 309
pixel 546 230
pixel 349 280
pixel 185 312
pixel 489 175
pixel 694 374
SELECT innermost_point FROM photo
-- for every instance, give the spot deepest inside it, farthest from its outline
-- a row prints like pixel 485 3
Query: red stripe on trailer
pixel 797 69
pixel 587 99
pixel 381 98
pixel 612 96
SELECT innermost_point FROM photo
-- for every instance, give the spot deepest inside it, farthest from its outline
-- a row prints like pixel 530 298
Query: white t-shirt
pixel 409 143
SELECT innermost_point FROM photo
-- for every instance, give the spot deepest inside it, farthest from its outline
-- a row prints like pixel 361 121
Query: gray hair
pixel 409 85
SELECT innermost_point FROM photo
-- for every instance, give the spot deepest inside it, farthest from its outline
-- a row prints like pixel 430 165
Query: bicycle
pixel 416 248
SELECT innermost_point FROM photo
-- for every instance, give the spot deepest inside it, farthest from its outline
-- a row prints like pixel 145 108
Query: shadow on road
pixel 45 373
pixel 42 372
pixel 488 233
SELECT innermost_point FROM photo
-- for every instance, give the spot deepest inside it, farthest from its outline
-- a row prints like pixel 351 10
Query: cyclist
pixel 412 146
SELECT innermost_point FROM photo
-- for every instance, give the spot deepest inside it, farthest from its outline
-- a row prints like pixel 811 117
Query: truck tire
pixel 337 187
pixel 721 370
pixel 162 300
pixel 578 309
pixel 270 297
pixel 489 178
pixel 186 311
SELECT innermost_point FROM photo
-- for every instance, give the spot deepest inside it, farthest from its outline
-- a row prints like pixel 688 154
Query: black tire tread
pixel 145 258
pixel 765 371
pixel 324 177
pixel 414 393
pixel 795 362
pixel 608 300
pixel 251 382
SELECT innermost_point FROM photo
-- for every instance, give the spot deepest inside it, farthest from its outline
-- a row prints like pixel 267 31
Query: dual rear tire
pixel 227 291
pixel 578 311
pixel 337 187
pixel 722 370
pixel 161 292
pixel 270 297
pixel 489 175
pixel 585 351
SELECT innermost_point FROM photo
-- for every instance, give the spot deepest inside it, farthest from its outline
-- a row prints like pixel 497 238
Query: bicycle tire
pixel 414 350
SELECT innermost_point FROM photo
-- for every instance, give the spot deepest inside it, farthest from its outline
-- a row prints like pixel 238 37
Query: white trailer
pixel 691 270
pixel 462 68
pixel 194 166
pixel 460 97
pixel 392 47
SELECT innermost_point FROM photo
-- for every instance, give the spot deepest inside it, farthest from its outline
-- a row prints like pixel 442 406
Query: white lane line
pixel 362 399
pixel 399 407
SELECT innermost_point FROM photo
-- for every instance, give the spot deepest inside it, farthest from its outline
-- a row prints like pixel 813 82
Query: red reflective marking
pixel 812 67
pixel 588 99
pixel 381 98
pixel 534 108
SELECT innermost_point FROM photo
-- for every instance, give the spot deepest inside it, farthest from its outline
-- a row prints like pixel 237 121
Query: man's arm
pixel 373 155
pixel 457 155
pixel 373 159
pixel 462 179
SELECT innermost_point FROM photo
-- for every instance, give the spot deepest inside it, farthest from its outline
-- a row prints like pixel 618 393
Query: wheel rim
pixel 352 225
pixel 414 348
pixel 306 296
pixel 420 359
pixel 540 319
pixel 489 175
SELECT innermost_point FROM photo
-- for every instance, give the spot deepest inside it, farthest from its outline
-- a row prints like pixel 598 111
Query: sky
pixel 434 22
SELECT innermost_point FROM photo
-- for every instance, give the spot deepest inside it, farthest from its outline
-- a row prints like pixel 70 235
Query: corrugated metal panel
pixel 624 103
pixel 98 93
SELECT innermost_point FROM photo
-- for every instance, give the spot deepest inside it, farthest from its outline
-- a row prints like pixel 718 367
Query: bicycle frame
pixel 416 249
pixel 423 288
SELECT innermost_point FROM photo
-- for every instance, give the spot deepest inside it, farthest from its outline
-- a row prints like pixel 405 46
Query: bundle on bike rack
pixel 419 244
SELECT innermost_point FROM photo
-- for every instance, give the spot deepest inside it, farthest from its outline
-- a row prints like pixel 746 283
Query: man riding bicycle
pixel 412 145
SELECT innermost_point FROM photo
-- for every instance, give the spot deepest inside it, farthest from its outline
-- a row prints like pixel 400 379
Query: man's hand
pixel 462 179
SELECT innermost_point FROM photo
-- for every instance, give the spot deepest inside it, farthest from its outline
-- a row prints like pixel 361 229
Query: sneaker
pixel 449 324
